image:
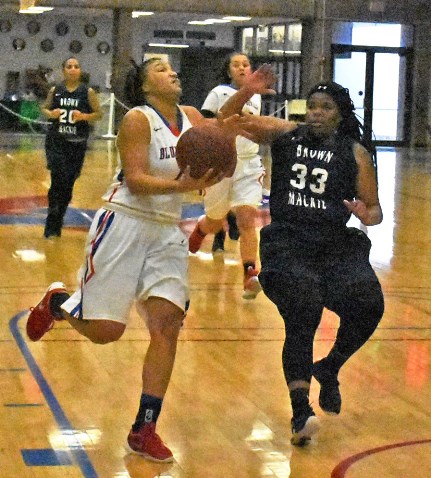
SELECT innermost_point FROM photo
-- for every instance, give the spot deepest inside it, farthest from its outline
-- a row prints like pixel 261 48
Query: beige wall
pixel 318 17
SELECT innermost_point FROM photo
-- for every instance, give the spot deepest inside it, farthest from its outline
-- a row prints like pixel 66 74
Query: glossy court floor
pixel 67 405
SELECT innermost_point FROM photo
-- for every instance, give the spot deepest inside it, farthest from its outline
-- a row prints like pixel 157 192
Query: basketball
pixel 206 146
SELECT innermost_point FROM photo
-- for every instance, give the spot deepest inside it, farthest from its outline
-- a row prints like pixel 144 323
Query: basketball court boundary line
pixel 76 450
pixel 341 469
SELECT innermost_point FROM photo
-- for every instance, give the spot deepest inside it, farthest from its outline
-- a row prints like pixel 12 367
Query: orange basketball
pixel 203 147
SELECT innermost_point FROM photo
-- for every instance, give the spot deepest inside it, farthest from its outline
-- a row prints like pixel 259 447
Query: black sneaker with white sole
pixel 305 425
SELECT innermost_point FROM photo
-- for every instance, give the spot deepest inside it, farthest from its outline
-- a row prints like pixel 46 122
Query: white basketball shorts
pixel 129 259
pixel 244 188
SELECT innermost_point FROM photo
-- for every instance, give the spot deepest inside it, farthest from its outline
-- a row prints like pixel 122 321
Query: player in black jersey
pixel 70 107
pixel 322 172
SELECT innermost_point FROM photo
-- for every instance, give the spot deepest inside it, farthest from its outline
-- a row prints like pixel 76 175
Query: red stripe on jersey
pixel 113 193
pixel 90 266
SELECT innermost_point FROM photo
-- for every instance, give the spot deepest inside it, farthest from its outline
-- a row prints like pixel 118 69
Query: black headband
pixel 338 93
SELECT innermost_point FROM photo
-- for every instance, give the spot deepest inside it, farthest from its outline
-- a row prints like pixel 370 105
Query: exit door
pixel 380 84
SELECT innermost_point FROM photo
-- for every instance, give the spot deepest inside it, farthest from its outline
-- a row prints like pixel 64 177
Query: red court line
pixel 15 205
pixel 340 470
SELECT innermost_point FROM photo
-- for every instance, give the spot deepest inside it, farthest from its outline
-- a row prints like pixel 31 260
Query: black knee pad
pixel 363 302
pixel 289 290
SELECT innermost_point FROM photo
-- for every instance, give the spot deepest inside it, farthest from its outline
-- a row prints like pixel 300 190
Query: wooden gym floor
pixel 67 405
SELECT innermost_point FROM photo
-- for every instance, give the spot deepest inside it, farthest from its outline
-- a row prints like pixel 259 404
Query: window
pixel 271 40
pixel 262 40
pixel 372 34
pixel 280 45
pixel 247 40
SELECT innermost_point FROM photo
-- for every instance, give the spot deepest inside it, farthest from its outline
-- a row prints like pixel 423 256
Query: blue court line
pixel 74 217
pixel 77 451
pixel 77 217
pixel 46 457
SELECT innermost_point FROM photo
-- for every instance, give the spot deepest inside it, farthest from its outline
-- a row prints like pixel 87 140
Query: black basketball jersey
pixel 310 178
pixel 67 101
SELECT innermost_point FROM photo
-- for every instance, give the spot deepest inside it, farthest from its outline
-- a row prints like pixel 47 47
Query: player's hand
pixel 232 126
pixel 261 80
pixel 54 114
pixel 187 183
pixel 358 209
pixel 78 116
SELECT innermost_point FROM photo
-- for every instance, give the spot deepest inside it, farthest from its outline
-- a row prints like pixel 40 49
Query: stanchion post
pixel 110 134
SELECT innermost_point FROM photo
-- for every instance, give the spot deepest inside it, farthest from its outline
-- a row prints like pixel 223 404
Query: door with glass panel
pixel 374 60
pixel 379 84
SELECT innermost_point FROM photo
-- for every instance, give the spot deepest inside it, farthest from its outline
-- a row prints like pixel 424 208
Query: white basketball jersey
pixel 217 97
pixel 162 157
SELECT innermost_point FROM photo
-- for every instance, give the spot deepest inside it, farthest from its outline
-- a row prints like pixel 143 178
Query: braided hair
pixel 350 124
pixel 135 78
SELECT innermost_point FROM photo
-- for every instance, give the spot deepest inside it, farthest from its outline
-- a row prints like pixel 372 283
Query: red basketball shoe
pixel 252 286
pixel 41 318
pixel 196 238
pixel 147 443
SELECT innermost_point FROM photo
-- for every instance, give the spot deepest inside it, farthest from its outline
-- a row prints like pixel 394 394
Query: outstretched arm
pixel 259 82
pixel 265 129
pixel 231 125
pixel 260 129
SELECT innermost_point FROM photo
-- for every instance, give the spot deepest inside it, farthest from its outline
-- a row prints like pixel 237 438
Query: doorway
pixel 380 86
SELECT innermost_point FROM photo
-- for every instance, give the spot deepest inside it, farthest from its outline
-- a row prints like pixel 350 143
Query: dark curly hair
pixel 350 124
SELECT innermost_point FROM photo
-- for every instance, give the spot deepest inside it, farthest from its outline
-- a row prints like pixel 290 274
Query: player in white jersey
pixel 162 162
pixel 135 250
pixel 242 193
